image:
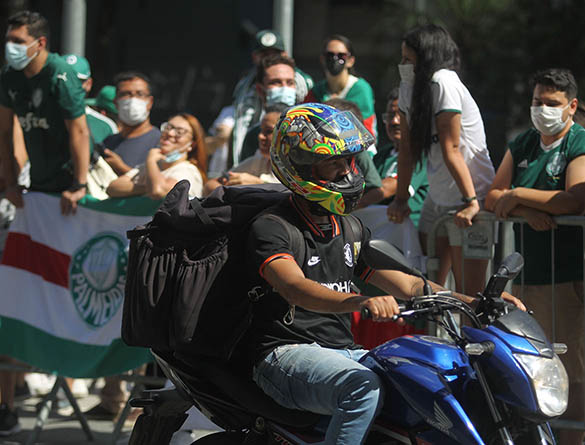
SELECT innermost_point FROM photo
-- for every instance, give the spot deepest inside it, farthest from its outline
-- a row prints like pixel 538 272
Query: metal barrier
pixel 60 383
pixel 479 243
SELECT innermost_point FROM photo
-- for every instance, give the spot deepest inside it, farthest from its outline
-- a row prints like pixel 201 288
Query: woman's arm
pixel 449 130
pixel 124 186
pixel 157 185
pixel 398 209
pixel 405 162
pixel 502 181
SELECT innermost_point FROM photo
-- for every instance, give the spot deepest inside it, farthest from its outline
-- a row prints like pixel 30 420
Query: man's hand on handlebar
pixel 513 300
pixel 383 308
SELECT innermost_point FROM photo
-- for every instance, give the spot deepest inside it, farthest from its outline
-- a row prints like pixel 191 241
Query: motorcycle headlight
pixel 550 381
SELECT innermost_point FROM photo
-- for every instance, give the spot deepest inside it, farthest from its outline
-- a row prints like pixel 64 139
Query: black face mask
pixel 334 65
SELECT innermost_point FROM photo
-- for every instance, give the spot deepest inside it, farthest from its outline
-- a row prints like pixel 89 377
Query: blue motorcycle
pixel 497 380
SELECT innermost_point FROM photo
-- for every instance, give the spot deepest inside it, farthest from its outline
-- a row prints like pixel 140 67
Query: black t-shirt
pixel 330 257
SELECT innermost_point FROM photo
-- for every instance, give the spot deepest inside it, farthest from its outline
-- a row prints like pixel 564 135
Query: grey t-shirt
pixel 133 151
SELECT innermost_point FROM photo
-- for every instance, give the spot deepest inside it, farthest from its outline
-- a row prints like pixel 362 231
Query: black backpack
pixel 187 289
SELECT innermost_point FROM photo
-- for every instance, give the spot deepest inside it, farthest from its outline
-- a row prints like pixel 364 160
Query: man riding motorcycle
pixel 300 345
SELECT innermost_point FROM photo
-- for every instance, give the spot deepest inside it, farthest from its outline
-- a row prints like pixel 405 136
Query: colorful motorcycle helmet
pixel 314 132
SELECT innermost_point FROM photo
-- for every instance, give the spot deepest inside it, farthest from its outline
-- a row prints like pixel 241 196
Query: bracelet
pixel 468 200
pixel 76 185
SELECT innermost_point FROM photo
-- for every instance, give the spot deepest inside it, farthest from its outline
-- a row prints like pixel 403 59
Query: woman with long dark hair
pixel 181 154
pixel 442 126
pixel 338 60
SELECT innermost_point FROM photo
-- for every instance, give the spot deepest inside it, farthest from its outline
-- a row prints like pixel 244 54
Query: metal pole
pixel 283 22
pixel 73 34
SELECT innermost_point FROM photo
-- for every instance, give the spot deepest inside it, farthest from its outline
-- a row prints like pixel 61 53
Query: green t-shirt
pixel 386 161
pixel 546 170
pixel 100 126
pixel 42 104
pixel 360 93
pixel 371 176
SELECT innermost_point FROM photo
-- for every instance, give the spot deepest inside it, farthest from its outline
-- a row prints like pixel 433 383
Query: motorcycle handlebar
pixel 365 312
pixel 435 303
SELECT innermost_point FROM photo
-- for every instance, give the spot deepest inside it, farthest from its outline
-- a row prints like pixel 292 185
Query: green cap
pixel 105 100
pixel 80 65
pixel 269 39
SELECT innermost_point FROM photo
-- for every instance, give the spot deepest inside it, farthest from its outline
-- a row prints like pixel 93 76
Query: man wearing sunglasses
pixel 128 148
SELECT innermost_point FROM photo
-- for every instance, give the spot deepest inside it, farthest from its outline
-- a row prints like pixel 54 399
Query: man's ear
pixel 42 42
pixel 87 85
pixel 573 107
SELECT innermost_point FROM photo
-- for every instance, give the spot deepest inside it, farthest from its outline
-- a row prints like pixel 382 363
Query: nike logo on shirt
pixel 313 260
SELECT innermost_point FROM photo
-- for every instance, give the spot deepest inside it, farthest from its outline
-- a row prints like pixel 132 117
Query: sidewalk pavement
pixel 63 428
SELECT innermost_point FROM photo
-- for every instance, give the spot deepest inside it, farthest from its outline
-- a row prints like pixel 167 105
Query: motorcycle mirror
pixel 379 254
pixel 511 266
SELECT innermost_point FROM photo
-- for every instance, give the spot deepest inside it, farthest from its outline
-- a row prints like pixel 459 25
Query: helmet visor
pixel 338 134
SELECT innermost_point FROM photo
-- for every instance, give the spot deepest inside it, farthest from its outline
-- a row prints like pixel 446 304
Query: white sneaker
pixel 79 388
pixel 39 384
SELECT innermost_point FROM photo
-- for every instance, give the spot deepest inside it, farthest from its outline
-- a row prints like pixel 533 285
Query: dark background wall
pixel 195 50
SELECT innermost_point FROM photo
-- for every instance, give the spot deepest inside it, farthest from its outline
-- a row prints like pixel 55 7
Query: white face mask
pixel 406 72
pixel 285 95
pixel 548 120
pixel 15 55
pixel 132 111
pixel 177 153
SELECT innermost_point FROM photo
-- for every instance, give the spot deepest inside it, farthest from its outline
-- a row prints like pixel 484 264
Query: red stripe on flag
pixel 24 253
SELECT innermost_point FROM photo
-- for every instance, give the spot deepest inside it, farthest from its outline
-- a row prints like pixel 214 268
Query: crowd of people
pixel 436 161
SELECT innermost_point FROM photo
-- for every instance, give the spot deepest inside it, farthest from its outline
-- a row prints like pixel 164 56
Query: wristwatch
pixel 468 200
pixel 76 185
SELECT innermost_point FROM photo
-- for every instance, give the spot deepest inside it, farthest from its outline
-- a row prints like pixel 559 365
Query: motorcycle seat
pixel 198 373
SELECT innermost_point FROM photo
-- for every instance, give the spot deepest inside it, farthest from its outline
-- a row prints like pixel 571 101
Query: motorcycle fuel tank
pixel 423 377
pixel 432 351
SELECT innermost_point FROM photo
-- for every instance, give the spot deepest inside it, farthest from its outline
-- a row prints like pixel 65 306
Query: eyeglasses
pixel 166 127
pixel 336 56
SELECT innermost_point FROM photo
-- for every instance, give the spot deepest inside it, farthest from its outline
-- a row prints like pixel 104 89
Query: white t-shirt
pixel 218 161
pixel 179 171
pixel 449 94
pixel 259 166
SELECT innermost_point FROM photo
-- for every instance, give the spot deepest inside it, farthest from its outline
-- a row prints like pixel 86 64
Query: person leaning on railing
pixel 543 175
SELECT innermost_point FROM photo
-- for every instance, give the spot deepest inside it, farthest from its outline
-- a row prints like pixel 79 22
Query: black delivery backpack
pixel 187 286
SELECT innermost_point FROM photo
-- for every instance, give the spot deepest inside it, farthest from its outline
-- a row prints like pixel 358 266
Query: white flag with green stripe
pixel 62 281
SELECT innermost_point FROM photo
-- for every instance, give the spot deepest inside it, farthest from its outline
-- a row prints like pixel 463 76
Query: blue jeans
pixel 324 381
